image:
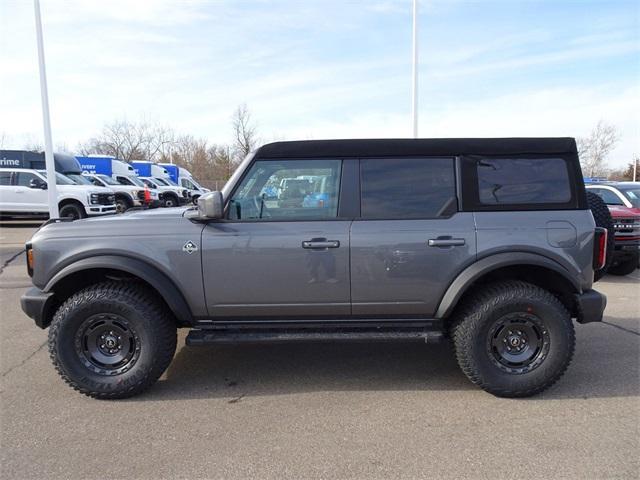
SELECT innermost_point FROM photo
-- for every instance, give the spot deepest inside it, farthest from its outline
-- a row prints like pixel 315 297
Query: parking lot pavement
pixel 300 411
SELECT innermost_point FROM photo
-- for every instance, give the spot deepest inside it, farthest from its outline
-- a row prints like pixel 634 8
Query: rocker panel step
pixel 213 337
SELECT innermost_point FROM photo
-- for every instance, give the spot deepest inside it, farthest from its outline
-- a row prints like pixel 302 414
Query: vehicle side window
pixel 123 181
pixel 288 190
pixel 607 196
pixel 24 179
pixel 513 181
pixel 5 178
pixel 406 187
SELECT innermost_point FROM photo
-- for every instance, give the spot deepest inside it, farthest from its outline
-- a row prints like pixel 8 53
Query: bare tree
pixel 596 147
pixel 131 141
pixel 244 131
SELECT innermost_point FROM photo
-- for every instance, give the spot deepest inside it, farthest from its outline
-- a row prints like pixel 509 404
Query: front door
pixel 26 198
pixel 410 241
pixel 283 250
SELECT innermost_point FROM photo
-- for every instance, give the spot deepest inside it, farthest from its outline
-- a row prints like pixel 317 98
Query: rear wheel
pixel 112 340
pixel 72 210
pixel 625 267
pixel 602 217
pixel 513 339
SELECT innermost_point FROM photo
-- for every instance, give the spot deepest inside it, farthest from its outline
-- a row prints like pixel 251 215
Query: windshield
pixel 194 184
pixel 633 195
pixel 149 183
pixel 161 181
pixel 136 181
pixel 108 180
pixel 60 179
pixel 170 182
pixel 79 179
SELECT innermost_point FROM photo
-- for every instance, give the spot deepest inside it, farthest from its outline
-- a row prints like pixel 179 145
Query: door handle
pixel 320 244
pixel 445 242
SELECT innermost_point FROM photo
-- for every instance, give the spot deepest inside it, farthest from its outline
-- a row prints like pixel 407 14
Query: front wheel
pixel 72 210
pixel 513 339
pixel 123 204
pixel 112 340
pixel 170 201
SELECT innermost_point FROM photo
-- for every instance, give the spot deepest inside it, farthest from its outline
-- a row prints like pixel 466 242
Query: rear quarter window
pixel 519 183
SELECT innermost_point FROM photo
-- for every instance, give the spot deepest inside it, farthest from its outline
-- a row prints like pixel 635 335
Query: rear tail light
pixel 600 248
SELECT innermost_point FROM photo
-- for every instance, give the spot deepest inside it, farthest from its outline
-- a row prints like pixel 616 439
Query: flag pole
pixel 48 143
pixel 414 79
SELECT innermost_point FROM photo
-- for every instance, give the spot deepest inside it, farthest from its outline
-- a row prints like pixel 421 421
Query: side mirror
pixel 210 205
pixel 37 183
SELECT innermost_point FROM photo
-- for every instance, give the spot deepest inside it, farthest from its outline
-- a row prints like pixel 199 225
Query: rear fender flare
pixel 473 272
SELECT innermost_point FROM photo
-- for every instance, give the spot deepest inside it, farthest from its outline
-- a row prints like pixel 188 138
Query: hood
pixel 83 188
pixel 619 211
pixel 158 221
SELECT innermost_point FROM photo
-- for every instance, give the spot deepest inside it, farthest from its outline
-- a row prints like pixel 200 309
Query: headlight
pixel 94 198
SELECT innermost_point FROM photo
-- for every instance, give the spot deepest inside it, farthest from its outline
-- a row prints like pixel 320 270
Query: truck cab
pixel 23 185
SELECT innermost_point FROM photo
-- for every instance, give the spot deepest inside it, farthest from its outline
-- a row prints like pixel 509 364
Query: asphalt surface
pixel 313 410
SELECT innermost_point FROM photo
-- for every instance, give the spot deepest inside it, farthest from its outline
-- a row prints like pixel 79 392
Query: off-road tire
pixel 603 219
pixel 143 313
pixel 490 305
pixel 629 265
pixel 73 210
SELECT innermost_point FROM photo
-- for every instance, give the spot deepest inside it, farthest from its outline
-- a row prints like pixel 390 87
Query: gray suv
pixel 486 242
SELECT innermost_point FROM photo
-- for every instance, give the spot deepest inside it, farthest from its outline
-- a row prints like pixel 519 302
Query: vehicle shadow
pixel 605 365
pixel 21 223
pixel 619 279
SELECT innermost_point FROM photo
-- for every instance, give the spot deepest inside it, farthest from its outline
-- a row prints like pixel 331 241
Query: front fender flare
pixel 150 274
pixel 493 262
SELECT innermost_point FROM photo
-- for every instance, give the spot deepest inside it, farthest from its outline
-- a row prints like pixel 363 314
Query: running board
pixel 212 337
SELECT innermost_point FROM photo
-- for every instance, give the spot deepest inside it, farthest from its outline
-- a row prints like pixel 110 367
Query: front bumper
pixel 95 210
pixel 38 305
pixel 590 306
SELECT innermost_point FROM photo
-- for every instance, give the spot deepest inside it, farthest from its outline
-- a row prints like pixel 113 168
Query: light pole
pixel 414 79
pixel 48 143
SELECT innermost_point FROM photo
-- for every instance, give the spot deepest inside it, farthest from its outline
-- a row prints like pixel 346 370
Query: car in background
pixel 172 196
pixel 23 191
pixel 183 178
pixel 127 196
pixel 623 200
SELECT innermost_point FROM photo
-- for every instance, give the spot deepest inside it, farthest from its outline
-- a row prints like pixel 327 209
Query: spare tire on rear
pixel 603 219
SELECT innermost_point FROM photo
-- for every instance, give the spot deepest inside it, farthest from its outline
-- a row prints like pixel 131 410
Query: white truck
pixel 183 178
pixel 157 177
pixel 24 184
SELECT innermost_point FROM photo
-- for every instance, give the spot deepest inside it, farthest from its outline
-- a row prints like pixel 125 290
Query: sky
pixel 314 69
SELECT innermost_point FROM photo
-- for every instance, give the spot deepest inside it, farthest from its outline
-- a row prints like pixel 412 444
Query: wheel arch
pixel 92 270
pixel 529 267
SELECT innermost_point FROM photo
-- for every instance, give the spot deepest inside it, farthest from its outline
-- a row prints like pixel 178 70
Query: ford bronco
pixel 488 243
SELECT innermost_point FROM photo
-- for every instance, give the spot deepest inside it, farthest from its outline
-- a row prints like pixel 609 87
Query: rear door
pixel 410 241
pixel 283 250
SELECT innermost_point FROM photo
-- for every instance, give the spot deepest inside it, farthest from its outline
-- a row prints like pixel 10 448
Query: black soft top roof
pixel 417 147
